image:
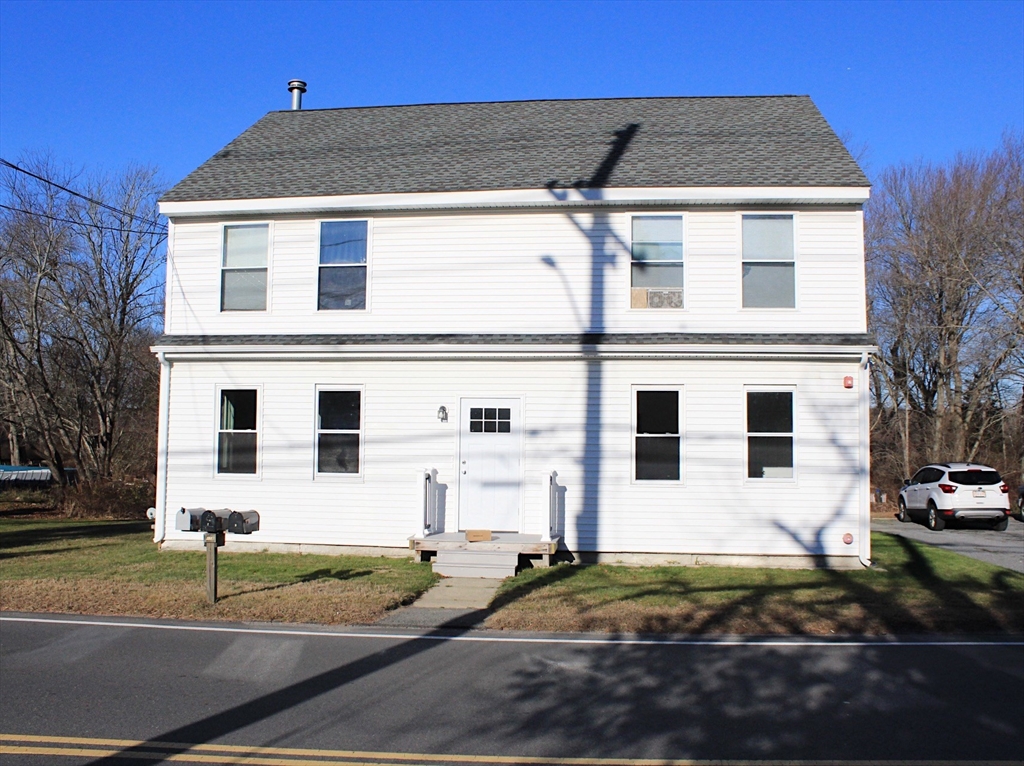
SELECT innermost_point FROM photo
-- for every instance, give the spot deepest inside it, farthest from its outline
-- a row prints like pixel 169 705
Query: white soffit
pixel 520 198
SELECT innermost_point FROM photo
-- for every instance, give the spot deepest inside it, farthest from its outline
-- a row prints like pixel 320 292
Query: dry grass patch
pixel 115 569
pixel 913 589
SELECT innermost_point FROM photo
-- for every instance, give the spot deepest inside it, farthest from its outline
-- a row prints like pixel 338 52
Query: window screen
pixel 236 436
pixel 342 278
pixel 769 273
pixel 244 268
pixel 657 436
pixel 770 434
pixel 338 431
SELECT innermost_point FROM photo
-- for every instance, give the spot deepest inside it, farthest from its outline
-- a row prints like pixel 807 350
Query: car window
pixel 935 475
pixel 975 477
pixel 919 477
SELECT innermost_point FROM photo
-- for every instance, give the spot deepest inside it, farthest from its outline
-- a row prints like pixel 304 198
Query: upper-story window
pixel 656 267
pixel 243 281
pixel 769 269
pixel 342 281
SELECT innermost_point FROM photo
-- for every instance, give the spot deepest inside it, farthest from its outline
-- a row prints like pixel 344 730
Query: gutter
pixel 159 523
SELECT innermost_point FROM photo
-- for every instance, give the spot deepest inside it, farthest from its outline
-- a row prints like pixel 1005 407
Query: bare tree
pixel 946 301
pixel 80 295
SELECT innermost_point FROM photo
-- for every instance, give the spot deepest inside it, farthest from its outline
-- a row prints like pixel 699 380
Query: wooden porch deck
pixel 500 542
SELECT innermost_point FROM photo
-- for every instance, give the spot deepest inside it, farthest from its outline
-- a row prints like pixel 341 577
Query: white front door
pixel 490 464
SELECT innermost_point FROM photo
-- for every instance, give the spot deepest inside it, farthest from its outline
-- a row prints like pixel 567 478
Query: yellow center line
pixel 256 755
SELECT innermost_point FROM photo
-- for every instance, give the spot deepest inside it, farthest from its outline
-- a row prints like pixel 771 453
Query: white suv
pixel 943 492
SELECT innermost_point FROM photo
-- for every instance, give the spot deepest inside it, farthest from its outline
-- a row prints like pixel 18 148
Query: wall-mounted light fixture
pixel 442 414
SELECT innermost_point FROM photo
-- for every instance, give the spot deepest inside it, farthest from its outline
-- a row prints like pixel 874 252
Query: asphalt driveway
pixel 1005 549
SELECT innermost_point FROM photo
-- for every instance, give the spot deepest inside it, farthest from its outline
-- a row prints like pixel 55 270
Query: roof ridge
pixel 541 101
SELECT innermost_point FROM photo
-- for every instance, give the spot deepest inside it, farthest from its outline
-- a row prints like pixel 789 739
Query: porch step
pixel 464 563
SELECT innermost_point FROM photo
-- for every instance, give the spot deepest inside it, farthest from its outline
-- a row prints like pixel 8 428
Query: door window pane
pixel 490 420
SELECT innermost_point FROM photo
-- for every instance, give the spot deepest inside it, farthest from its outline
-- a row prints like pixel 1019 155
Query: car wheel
pixel 902 514
pixel 935 522
pixel 1000 526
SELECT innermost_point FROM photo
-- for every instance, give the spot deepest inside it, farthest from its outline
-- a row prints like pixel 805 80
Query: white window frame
pixel 218 389
pixel 222 268
pixel 331 475
pixel 681 425
pixel 795 261
pixel 316 276
pixel 769 389
pixel 629 261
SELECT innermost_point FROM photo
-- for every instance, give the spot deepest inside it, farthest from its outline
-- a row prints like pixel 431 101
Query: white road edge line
pixel 512 639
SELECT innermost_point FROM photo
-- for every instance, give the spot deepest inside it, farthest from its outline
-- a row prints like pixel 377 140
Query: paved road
pixel 201 691
pixel 1003 548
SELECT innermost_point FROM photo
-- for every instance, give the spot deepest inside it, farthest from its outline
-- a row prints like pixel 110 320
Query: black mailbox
pixel 214 521
pixel 243 522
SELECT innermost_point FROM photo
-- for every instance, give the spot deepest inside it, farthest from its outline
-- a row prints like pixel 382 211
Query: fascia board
pixel 485 352
pixel 523 198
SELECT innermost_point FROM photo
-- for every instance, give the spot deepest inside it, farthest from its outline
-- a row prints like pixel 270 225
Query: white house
pixel 632 327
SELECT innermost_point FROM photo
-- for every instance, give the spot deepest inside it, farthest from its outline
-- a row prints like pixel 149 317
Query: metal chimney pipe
pixel 297 88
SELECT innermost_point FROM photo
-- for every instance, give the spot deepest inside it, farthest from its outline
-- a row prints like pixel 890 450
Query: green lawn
pixel 114 567
pixel 914 588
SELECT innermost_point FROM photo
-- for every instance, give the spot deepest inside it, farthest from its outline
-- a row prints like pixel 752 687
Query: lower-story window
pixel 338 428
pixel 657 436
pixel 770 434
pixel 237 434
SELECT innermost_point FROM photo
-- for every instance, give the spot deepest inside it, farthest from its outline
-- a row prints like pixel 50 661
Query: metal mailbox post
pixel 213 524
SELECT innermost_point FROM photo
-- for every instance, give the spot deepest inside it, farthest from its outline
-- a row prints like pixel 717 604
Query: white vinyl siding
pixel 538 272
pixel 577 420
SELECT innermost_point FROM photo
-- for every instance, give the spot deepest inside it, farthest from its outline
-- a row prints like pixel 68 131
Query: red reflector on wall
pixel 848 381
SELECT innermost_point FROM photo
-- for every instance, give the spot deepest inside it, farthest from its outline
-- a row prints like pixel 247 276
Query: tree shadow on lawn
pixel 825 601
pixel 319 574
pixel 43 534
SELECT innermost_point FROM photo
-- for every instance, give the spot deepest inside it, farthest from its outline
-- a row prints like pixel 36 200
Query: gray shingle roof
pixel 526 339
pixel 736 141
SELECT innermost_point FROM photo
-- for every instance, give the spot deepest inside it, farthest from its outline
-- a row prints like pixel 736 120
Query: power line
pixel 78 194
pixel 78 223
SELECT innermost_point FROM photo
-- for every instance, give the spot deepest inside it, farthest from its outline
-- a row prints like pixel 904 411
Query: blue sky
pixel 103 84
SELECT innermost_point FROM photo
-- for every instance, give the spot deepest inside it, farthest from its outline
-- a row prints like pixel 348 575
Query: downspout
pixel 159 524
pixel 864 496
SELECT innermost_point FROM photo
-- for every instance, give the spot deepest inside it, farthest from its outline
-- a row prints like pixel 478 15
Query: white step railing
pixel 556 513
pixel 431 524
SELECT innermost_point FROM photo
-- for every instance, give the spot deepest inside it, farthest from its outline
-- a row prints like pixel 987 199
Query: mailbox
pixel 214 521
pixel 187 519
pixel 243 522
